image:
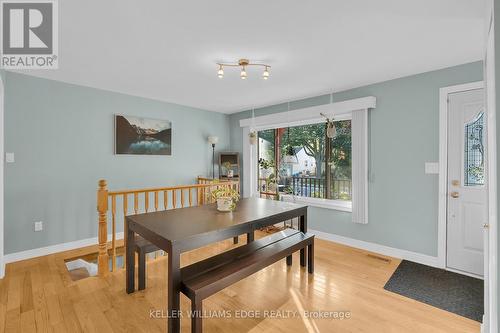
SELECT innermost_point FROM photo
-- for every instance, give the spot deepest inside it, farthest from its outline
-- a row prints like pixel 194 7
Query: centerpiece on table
pixel 226 198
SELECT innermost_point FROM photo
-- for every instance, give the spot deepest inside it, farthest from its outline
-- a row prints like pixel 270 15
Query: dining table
pixel 176 231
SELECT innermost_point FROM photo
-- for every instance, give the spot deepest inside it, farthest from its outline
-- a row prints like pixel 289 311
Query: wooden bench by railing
pixel 115 204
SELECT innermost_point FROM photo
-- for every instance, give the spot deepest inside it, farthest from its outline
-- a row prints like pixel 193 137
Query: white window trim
pixel 341 205
pixel 340 110
pixel 309 115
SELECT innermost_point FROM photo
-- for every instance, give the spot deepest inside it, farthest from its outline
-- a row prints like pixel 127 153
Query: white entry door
pixel 467 193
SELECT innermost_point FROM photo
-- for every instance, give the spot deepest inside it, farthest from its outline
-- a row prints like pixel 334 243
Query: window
pixel 266 161
pixel 321 167
pixel 474 152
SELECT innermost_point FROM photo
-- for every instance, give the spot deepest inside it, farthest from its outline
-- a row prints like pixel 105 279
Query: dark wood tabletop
pixel 193 225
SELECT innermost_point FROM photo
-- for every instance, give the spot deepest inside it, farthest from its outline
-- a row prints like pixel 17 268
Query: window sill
pixel 340 205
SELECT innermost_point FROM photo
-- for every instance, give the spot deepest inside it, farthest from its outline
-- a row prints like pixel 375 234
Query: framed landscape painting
pixel 142 136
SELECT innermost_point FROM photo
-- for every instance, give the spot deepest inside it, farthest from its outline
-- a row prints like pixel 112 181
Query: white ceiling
pixel 167 50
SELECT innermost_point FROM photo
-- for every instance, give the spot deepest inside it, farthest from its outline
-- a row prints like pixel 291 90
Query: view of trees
pixel 317 157
pixel 313 139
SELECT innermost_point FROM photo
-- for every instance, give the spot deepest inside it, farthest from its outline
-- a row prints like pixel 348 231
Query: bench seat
pixel 207 277
pixel 143 247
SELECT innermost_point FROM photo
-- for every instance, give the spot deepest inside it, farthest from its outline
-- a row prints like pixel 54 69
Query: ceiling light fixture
pixel 243 63
pixel 243 73
pixel 220 72
pixel 265 75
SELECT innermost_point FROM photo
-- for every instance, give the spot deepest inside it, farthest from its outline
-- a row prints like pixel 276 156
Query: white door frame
pixel 490 319
pixel 2 263
pixel 443 162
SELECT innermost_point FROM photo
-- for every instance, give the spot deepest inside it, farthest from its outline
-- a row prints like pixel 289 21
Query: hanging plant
pixel 331 130
pixel 252 136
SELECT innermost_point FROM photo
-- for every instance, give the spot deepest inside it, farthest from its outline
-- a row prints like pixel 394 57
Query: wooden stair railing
pixel 143 201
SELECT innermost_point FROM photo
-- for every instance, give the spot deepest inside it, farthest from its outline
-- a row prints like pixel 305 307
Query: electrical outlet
pixel 9 158
pixel 431 168
pixel 39 226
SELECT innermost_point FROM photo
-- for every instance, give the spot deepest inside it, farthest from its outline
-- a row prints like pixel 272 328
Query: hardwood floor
pixel 39 295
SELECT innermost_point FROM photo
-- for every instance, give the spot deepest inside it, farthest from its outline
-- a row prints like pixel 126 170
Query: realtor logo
pixel 29 34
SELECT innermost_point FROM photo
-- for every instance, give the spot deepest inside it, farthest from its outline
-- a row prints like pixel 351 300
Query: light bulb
pixel 243 73
pixel 220 73
pixel 265 75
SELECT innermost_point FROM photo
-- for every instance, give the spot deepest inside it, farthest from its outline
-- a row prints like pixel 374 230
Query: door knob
pixel 486 225
pixel 454 194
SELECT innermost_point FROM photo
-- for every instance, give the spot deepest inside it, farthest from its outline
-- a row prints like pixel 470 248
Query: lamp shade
pixel 213 140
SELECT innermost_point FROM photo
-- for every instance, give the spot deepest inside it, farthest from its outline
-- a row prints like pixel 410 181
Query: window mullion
pixel 328 175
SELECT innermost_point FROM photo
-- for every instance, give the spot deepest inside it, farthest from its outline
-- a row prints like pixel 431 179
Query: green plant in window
pixel 227 166
pixel 265 164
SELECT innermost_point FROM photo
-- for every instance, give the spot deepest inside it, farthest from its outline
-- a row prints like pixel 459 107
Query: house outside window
pixel 322 167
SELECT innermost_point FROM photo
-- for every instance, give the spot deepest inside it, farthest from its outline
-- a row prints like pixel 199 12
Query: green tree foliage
pixel 340 160
pixel 312 139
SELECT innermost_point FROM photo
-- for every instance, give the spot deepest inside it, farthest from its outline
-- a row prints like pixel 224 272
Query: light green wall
pixel 404 134
pixel 62 137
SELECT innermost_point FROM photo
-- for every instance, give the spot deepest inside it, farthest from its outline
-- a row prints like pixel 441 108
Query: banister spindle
pixel 125 212
pixel 102 208
pixel 190 200
pixel 136 203
pixel 113 233
pixel 174 199
pixel 156 201
pixel 182 198
pixel 165 200
pixel 146 201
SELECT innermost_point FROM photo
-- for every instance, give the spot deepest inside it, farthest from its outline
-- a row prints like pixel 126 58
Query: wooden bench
pixel 143 247
pixel 207 277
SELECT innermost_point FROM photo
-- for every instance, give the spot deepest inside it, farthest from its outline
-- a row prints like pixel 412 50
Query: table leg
pixel 174 289
pixel 310 257
pixel 130 260
pixel 303 228
pixel 250 237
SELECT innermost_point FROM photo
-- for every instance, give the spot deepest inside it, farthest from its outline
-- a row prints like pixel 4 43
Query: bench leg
pixel 196 319
pixel 310 257
pixel 250 237
pixel 142 270
pixel 289 260
pixel 303 255
pixel 235 240
pixel 303 228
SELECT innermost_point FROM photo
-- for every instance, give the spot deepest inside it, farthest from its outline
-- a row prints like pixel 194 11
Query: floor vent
pixel 373 256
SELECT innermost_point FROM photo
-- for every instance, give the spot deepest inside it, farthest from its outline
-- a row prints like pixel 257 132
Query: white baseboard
pixel 2 268
pixel 43 251
pixel 372 247
pixel 377 248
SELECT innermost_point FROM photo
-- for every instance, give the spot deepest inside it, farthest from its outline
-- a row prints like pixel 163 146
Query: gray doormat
pixel 446 290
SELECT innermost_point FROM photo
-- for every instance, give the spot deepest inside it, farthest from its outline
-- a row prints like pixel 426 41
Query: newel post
pixel 102 209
